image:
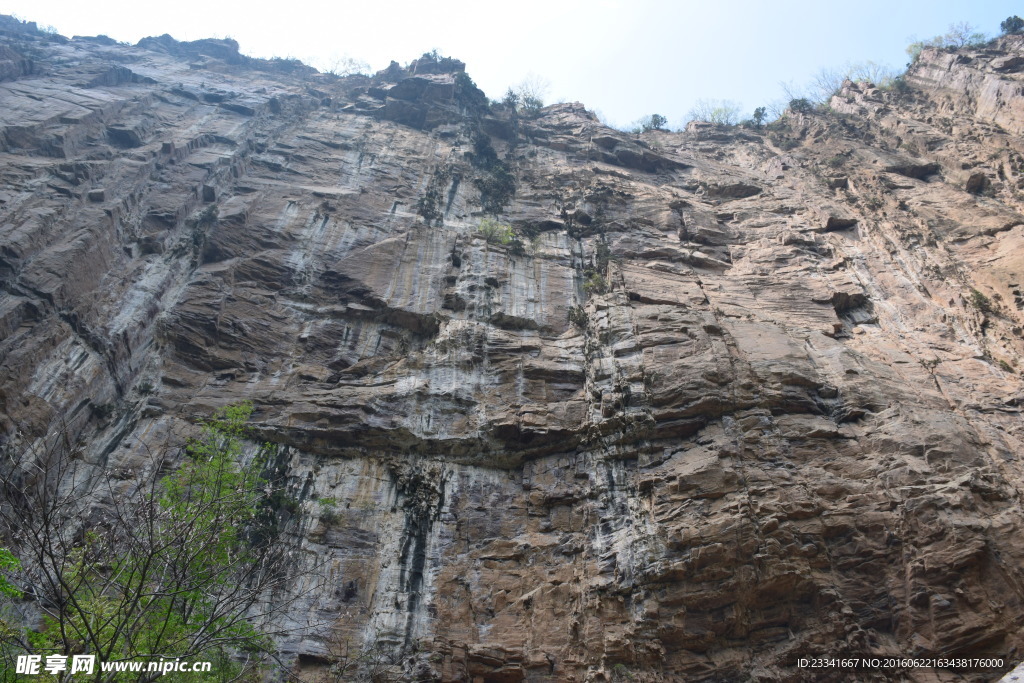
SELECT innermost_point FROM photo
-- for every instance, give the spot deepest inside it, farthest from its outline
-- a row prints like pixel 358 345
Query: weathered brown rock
pixel 788 424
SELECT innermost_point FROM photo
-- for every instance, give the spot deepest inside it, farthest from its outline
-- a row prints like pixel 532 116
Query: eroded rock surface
pixel 784 419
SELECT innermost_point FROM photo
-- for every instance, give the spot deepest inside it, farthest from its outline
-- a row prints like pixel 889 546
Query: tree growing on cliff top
pixel 1012 25
pixel 719 112
pixel 530 93
pixel 959 35
pixel 649 123
pixel 183 565
pixel 760 114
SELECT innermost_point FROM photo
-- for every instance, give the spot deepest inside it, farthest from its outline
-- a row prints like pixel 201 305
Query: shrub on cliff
pixel 595 283
pixel 578 317
pixel 497 184
pixel 980 301
pixel 496 233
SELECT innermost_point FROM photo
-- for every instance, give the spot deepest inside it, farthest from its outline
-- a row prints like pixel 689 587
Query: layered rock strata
pixel 732 397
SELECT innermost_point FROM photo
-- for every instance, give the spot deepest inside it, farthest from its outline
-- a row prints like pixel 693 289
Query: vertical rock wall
pixel 733 397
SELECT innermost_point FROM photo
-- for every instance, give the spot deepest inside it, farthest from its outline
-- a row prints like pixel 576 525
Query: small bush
pixel 496 233
pixel 595 284
pixel 980 301
pixel 496 188
pixel 621 672
pixel 604 256
pixel 516 246
pixel 428 206
pixel 578 317
pixel 898 85
pixel 105 411
pixel 208 216
pixel 328 514
pixel 497 184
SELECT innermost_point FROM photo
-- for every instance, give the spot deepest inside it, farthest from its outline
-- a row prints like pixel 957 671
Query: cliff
pixel 732 397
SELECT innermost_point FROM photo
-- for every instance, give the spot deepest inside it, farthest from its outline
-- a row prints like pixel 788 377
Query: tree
pixel 496 233
pixel 801 105
pixel 648 123
pixel 655 122
pixel 530 92
pixel 137 565
pixel 1012 25
pixel 828 81
pixel 720 112
pixel 760 114
pixel 959 35
pixel 511 100
pixel 345 65
pixel 963 34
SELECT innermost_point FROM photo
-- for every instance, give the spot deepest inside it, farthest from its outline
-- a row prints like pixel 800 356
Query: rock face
pixel 732 398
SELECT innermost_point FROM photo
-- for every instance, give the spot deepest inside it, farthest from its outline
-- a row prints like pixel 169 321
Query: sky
pixel 625 59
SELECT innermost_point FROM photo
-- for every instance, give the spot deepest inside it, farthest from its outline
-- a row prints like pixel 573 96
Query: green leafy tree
pixel 653 122
pixel 511 100
pixel 801 105
pixel 595 283
pixel 182 565
pixel 1012 25
pixel 496 233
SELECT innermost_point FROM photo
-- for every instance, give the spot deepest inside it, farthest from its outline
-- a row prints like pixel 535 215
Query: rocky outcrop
pixel 731 398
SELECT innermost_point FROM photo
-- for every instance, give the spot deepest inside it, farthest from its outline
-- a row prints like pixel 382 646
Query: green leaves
pixel 8 564
pixel 178 566
pixel 1012 25
pixel 495 232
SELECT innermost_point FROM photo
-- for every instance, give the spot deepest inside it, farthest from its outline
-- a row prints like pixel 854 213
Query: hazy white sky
pixel 626 59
